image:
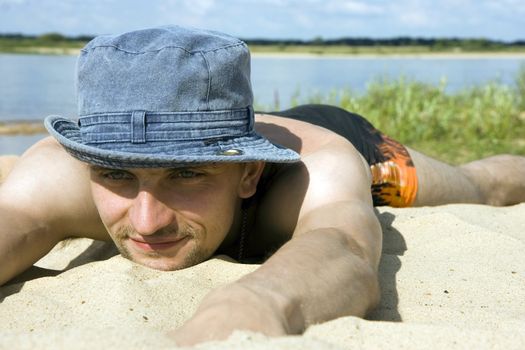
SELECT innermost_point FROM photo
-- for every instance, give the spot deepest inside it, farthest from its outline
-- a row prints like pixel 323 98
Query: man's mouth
pixel 154 245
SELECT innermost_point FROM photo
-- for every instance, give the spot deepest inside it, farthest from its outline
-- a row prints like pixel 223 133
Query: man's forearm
pixel 322 273
pixel 318 276
pixel 22 243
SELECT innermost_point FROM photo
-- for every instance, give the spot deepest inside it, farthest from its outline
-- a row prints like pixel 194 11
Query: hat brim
pixel 248 148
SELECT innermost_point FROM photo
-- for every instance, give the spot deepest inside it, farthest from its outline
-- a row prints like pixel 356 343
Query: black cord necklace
pixel 244 223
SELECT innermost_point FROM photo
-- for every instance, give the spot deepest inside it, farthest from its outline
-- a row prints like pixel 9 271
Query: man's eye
pixel 117 175
pixel 187 174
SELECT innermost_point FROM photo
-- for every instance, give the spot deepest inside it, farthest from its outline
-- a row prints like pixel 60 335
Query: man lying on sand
pixel 167 161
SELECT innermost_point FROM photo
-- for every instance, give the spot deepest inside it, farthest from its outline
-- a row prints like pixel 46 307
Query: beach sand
pixel 452 277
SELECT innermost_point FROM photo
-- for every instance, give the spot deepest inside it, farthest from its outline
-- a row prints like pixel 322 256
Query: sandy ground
pixel 452 277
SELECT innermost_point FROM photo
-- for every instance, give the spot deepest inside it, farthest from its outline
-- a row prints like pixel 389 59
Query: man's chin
pixel 167 263
pixel 161 264
pixel 182 255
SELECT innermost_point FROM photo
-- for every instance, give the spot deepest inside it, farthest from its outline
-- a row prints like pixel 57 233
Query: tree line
pixel 438 43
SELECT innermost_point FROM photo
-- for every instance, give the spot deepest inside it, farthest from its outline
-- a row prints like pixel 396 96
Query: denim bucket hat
pixel 162 97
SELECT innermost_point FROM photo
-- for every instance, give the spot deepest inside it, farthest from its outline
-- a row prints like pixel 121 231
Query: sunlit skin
pixel 169 219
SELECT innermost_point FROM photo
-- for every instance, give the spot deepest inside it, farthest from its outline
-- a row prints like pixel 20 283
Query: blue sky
pixel 276 19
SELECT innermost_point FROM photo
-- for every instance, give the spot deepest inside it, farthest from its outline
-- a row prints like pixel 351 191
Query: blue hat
pixel 162 97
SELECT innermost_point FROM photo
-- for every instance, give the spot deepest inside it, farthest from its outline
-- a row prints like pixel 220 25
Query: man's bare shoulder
pixel 50 186
pixel 331 173
pixel 302 137
pixel 321 150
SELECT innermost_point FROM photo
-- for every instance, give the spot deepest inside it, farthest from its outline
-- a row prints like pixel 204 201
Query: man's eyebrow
pixel 97 168
pixel 193 166
pixel 176 167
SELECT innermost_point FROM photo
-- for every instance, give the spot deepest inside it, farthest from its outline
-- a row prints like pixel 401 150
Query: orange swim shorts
pixel 394 180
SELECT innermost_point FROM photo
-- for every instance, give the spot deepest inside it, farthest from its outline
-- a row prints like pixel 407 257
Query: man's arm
pixel 45 199
pixel 327 270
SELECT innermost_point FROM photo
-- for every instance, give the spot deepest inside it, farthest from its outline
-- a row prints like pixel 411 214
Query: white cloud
pixel 186 12
pixel 511 8
pixel 415 18
pixel 353 7
pixel 12 2
pixel 6 5
pixel 302 19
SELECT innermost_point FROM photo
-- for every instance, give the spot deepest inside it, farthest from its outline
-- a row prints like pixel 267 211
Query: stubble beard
pixel 194 256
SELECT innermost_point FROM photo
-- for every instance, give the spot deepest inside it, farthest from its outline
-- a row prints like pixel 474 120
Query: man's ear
pixel 251 173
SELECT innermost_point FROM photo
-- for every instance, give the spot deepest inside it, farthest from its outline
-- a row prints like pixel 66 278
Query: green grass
pixel 40 46
pixel 459 127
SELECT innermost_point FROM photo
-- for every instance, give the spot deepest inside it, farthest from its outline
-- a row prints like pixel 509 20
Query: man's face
pixel 169 219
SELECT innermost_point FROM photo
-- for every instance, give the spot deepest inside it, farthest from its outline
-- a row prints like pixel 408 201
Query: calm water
pixel 34 86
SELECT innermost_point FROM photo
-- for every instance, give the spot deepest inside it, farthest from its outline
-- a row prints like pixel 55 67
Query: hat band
pixel 143 126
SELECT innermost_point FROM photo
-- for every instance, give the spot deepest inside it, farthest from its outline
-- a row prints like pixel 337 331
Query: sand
pixel 452 277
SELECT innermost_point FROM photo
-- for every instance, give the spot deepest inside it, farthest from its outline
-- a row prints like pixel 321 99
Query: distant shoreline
pixel 21 127
pixel 308 55
pixel 434 55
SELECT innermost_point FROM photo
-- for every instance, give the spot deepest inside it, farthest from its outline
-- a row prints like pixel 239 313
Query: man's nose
pixel 148 214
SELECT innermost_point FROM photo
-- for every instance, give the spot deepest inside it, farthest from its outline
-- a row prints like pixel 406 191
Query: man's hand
pixel 233 307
